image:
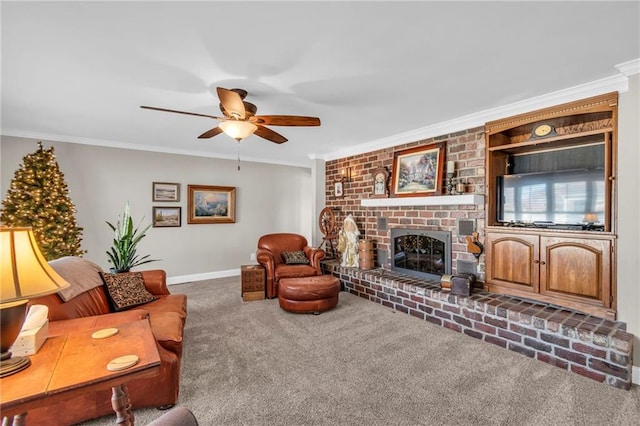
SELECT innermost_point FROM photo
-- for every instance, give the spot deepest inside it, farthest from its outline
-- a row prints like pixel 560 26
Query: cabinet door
pixel 512 261
pixel 576 269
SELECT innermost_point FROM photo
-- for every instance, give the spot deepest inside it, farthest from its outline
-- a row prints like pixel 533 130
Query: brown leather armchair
pixel 269 255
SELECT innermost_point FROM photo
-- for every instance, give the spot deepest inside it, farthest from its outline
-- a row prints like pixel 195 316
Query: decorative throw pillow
pixel 126 290
pixel 295 258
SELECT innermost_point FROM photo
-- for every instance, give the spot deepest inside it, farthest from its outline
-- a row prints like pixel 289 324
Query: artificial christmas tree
pixel 39 198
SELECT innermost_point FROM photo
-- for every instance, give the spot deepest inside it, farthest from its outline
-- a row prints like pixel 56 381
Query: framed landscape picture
pixel 167 217
pixel 165 191
pixel 418 171
pixel 211 204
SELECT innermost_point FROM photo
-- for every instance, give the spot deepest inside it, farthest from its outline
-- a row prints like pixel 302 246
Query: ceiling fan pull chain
pixel 238 157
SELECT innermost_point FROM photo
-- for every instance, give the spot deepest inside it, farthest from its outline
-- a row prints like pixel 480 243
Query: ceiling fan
pixel 239 120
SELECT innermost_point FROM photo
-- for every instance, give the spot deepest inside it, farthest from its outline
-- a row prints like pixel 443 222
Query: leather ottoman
pixel 308 294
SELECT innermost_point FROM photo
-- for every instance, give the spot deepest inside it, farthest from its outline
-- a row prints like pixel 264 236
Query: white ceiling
pixel 372 71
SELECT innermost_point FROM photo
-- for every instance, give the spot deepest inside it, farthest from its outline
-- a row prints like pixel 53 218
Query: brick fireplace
pixel 466 148
pixel 590 346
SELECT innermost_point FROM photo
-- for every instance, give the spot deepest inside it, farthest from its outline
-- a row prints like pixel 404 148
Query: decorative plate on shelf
pixel 543 130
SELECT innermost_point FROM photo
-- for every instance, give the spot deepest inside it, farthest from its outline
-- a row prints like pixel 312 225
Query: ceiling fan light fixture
pixel 238 129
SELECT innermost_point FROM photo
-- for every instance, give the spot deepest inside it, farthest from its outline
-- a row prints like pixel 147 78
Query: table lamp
pixel 24 274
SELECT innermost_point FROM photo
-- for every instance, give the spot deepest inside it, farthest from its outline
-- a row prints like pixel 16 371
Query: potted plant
pixel 122 254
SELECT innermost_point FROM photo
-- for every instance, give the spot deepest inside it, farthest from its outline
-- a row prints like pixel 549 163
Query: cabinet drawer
pixel 253 277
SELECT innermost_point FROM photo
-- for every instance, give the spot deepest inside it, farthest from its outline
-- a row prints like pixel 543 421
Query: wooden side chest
pixel 253 279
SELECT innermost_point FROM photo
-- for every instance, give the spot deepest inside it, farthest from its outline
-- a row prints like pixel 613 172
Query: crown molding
pixel 616 83
pixel 138 147
pixel 630 67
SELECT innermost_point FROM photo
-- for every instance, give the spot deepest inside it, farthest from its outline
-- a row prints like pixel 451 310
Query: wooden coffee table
pixel 75 363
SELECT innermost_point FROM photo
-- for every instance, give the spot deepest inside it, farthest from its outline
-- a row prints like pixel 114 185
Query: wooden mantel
pixel 437 200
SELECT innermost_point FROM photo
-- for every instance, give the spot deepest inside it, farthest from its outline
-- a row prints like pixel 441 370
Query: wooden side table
pixel 71 364
pixel 253 278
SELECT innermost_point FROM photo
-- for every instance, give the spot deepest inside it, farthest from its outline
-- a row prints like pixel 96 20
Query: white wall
pixel 269 198
pixel 629 211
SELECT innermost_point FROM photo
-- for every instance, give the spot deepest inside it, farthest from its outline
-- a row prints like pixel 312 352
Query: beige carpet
pixel 362 364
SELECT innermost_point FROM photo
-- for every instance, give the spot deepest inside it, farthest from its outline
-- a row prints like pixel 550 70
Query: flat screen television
pixel 567 197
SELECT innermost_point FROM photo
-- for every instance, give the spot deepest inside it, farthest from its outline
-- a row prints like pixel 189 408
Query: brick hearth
pixel 593 347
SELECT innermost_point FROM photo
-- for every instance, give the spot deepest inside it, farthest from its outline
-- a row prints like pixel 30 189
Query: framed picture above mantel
pixel 417 172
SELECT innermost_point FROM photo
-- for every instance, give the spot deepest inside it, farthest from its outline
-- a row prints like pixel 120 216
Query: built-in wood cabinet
pixel 567 270
pixel 545 239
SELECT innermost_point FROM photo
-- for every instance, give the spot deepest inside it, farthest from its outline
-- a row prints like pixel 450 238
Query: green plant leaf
pixel 123 253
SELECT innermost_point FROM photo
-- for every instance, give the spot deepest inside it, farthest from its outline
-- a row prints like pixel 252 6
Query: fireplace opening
pixel 421 253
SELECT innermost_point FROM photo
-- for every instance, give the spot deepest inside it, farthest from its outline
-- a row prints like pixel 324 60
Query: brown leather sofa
pixel 269 254
pixel 91 310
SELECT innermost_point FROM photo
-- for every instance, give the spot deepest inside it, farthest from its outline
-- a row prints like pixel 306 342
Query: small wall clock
pixel 380 183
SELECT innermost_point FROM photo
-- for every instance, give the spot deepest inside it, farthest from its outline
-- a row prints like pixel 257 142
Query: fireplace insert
pixel 421 253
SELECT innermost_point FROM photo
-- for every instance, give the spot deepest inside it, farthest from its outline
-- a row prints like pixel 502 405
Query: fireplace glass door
pixel 426 254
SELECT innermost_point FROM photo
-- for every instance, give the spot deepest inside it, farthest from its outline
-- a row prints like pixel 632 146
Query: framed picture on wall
pixel 211 204
pixel 165 191
pixel 417 172
pixel 167 217
pixel 338 189
pixel 380 183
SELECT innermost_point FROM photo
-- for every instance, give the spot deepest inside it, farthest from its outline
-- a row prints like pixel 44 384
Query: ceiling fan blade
pixel 181 112
pixel 243 93
pixel 287 120
pixel 269 135
pixel 210 133
pixel 249 110
pixel 232 103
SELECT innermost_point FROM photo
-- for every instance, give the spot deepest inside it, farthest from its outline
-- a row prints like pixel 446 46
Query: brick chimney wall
pixel 466 148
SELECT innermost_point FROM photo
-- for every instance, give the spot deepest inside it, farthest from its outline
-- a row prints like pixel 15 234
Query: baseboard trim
pixel 635 375
pixel 180 279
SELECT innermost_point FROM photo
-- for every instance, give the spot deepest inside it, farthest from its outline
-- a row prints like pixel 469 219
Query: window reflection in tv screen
pixel 564 197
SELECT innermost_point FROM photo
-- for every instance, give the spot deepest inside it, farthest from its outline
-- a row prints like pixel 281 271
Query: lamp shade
pixel 238 129
pixel 24 272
